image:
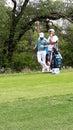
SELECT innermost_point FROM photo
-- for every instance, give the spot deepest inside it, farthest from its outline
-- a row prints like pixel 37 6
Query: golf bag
pixel 56 60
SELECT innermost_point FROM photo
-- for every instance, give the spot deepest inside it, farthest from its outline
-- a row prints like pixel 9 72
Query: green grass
pixel 36 101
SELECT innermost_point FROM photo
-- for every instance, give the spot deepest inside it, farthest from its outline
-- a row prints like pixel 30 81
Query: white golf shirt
pixel 55 41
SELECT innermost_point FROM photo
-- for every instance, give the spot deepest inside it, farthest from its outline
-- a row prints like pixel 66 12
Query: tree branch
pixel 22 10
pixel 14 8
pixel 63 16
pixel 28 25
pixel 66 17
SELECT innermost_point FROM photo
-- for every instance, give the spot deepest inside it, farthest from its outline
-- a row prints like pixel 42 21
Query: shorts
pixel 48 56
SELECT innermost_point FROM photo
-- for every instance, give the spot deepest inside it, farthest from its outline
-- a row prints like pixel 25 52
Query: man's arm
pixel 52 39
pixel 35 46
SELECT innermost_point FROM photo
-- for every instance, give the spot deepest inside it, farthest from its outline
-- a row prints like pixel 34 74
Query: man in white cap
pixel 52 43
pixel 52 40
pixel 41 53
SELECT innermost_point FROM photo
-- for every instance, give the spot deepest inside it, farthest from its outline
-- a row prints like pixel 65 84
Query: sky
pixel 10 3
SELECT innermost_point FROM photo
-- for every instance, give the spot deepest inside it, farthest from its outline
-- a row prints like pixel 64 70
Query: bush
pixel 24 60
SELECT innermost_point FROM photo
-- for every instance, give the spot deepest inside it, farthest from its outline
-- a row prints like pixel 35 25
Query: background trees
pixel 18 26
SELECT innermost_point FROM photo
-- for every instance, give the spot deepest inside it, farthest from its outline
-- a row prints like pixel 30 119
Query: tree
pixel 68 51
pixel 4 28
pixel 24 13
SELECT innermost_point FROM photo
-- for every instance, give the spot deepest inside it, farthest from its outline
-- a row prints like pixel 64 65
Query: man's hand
pixel 34 47
pixel 42 46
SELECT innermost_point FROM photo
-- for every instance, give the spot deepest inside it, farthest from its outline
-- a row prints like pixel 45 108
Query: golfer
pixel 41 53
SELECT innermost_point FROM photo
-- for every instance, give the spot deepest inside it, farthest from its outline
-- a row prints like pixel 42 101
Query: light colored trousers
pixel 41 57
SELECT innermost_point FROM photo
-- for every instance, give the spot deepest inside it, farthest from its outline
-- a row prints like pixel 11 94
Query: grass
pixel 36 101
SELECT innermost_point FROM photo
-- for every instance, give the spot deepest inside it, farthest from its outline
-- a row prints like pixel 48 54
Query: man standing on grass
pixel 52 44
pixel 41 53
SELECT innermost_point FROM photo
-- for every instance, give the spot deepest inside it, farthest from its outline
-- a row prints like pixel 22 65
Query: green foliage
pixel 69 34
pixel 16 37
pixel 24 60
pixel 67 46
pixel 4 22
pixel 24 56
pixel 4 32
pixel 67 53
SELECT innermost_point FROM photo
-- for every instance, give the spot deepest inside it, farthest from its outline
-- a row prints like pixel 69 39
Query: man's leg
pixel 39 58
pixel 44 61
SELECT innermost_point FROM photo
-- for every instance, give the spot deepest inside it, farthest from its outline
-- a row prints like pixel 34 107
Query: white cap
pixel 51 30
pixel 41 35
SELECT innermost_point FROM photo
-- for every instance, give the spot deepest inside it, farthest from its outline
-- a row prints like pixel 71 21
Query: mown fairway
pixel 36 101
